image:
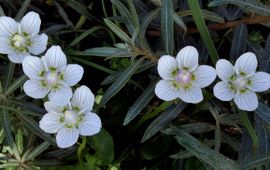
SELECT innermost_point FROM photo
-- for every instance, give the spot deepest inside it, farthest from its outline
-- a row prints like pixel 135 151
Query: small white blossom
pixel 51 74
pixel 240 82
pixel 19 40
pixel 182 77
pixel 72 119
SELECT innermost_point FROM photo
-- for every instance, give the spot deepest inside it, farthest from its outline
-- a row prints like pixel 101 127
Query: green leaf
pixel 8 75
pixel 203 152
pixel 5 122
pixel 16 84
pixel 199 21
pixel 140 103
pixel 239 42
pixel 167 26
pixel 148 19
pixel 33 126
pixel 84 35
pixel 22 10
pixel 249 5
pixel 178 20
pixel 162 120
pixel 37 151
pixel 2 13
pixel 103 145
pixel 19 141
pixel 207 15
pixel 182 155
pixel 63 14
pixel 102 52
pixel 120 33
pixel 120 82
pixel 263 111
pixel 249 127
pixel 255 162
pixel 197 127
pixel 77 6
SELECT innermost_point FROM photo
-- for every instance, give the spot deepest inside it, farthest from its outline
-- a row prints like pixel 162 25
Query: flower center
pixel 71 117
pixel 183 77
pixel 240 82
pixel 51 77
pixel 20 42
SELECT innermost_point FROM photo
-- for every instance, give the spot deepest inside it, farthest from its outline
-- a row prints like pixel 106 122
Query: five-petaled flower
pixel 71 119
pixel 51 74
pixel 19 40
pixel 182 77
pixel 240 82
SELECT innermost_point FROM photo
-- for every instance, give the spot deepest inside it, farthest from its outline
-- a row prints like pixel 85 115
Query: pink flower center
pixel 183 77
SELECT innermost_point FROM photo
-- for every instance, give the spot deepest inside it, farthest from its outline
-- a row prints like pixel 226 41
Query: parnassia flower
pixel 183 77
pixel 51 74
pixel 19 40
pixel 240 82
pixel 72 119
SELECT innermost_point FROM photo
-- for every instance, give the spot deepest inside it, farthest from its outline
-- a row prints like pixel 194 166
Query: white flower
pixel 182 77
pixel 73 119
pixel 51 74
pixel 240 82
pixel 19 40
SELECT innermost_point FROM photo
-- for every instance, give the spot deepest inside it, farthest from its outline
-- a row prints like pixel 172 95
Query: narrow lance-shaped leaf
pixel 167 26
pixel 148 19
pixel 162 120
pixel 239 42
pixel 199 21
pixel 203 152
pixel 5 122
pixel 255 162
pixel 37 151
pixel 249 5
pixel 22 10
pixel 178 20
pixel 120 33
pixel 120 82
pixel 140 103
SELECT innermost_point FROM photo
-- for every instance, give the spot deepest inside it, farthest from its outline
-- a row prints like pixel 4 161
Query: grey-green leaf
pixel 120 82
pixel 252 6
pixel 162 120
pixel 167 26
pixel 203 152
pixel 239 42
pixel 140 103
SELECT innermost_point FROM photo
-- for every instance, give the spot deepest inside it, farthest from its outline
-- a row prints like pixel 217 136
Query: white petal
pixel 61 95
pixel 260 81
pixel 91 124
pixel 30 23
pixel 191 95
pixel 247 101
pixel 5 47
pixel 52 107
pixel 73 74
pixel 33 67
pixel 246 63
pixel 55 57
pixel 67 137
pixel 224 69
pixel 166 91
pixel 204 76
pixel 166 66
pixel 83 98
pixel 188 57
pixel 50 122
pixel 17 57
pixel 223 92
pixel 8 26
pixel 39 44
pixel 34 89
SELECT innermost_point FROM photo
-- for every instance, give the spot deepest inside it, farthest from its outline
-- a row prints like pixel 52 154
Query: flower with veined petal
pixel 182 77
pixel 51 74
pixel 19 40
pixel 71 119
pixel 240 82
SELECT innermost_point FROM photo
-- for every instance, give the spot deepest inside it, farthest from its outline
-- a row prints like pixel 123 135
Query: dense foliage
pixel 119 43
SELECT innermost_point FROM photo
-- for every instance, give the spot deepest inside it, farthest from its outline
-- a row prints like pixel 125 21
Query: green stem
pixel 247 124
pixel 79 152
